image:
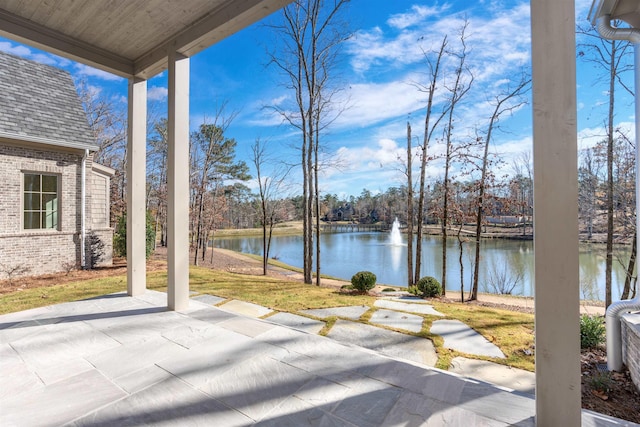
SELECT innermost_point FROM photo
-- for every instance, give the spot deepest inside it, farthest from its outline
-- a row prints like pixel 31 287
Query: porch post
pixel 178 183
pixel 557 291
pixel 136 185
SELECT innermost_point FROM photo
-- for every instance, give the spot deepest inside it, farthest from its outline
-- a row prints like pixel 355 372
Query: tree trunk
pixel 630 267
pixel 610 183
pixel 410 281
pixel 460 248
pixel 428 129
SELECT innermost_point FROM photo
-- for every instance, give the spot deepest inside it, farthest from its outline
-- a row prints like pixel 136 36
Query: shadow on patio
pixel 117 360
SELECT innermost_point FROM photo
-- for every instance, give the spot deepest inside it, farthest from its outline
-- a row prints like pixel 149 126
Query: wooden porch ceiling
pixel 128 37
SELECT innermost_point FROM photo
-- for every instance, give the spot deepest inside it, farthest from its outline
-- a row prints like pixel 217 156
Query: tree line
pixel 452 178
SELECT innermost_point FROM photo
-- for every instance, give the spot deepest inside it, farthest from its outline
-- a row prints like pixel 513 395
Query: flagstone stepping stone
pixel 460 337
pixel 410 298
pixel 395 319
pixel 390 343
pixel 300 323
pixel 245 308
pixel 209 299
pixel 505 376
pixel 420 308
pixel 351 312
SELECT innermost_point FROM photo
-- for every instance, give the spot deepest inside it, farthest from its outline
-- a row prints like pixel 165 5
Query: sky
pixel 379 72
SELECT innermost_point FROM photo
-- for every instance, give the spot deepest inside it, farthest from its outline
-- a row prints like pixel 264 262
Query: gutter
pixel 83 214
pixel 617 309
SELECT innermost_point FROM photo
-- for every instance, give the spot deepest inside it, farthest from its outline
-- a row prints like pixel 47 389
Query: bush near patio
pixel 363 281
pixel 592 331
pixel 429 287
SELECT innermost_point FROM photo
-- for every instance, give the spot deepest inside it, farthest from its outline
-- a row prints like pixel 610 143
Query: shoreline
pixel 508 302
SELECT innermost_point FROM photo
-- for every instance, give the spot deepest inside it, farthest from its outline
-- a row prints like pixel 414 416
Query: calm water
pixel 504 264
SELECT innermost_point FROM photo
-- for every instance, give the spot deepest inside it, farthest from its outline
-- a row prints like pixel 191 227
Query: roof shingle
pixel 40 103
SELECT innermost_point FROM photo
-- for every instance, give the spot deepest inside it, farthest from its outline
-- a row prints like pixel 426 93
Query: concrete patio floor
pixel 119 360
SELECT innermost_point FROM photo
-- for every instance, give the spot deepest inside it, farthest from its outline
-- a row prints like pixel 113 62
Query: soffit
pixel 128 37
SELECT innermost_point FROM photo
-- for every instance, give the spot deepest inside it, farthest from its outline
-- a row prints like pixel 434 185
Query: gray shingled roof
pixel 39 103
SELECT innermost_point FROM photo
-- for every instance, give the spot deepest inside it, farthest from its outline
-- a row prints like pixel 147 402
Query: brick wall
pixel 43 251
pixel 631 345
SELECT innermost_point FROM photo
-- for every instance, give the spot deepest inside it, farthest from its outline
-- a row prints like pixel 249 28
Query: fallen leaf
pixel 600 394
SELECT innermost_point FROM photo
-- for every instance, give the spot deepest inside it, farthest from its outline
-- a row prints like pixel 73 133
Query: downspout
pixel 83 210
pixel 617 309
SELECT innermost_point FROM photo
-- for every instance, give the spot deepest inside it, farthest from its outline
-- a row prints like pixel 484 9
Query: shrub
pixel 96 250
pixel 592 331
pixel 413 290
pixel 120 236
pixel 363 281
pixel 429 287
pixel 601 382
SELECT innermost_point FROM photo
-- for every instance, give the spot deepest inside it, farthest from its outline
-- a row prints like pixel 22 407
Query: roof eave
pixel 47 141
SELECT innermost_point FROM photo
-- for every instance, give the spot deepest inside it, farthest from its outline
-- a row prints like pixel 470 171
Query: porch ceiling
pixel 128 37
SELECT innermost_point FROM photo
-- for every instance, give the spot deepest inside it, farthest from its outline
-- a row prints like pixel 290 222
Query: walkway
pixel 118 360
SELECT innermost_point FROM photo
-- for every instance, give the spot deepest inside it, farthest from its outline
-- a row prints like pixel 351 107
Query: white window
pixel 41 202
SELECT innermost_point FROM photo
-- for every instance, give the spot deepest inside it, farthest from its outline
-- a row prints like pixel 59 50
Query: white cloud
pixel 416 15
pixel 15 50
pixel 370 103
pixel 157 93
pixel 87 71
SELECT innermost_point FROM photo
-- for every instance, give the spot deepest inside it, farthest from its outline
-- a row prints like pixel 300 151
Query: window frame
pixel 42 211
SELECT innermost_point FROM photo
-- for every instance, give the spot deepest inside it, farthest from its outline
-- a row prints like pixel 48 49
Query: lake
pixel 504 264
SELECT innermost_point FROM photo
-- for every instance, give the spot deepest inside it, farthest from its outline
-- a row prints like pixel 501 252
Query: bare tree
pixel 429 127
pixel 108 122
pixel 463 79
pixel 311 36
pixel 157 176
pixel 410 213
pixel 610 56
pixel 503 104
pixel 268 186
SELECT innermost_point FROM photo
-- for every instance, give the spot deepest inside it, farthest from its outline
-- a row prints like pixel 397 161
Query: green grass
pixel 511 331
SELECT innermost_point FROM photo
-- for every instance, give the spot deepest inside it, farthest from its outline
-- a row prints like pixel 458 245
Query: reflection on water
pixel 504 264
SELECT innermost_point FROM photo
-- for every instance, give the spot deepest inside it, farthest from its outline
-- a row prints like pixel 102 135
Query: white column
pixel 136 185
pixel 557 290
pixel 178 183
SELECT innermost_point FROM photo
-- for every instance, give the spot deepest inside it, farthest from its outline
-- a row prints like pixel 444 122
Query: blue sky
pixel 379 69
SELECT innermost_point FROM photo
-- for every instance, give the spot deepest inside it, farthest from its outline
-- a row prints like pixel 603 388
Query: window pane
pixel 31 220
pixel 31 201
pixel 31 182
pixel 50 220
pixel 49 184
pixel 50 202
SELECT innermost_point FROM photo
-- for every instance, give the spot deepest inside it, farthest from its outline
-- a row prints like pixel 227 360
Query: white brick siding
pixel 45 251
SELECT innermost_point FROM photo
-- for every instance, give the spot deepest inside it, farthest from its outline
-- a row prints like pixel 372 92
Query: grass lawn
pixel 511 331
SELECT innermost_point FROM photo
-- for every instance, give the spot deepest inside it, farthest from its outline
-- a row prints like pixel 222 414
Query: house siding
pixel 631 345
pixel 44 251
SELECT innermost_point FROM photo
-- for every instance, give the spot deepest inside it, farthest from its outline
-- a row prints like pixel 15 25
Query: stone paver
pixel 460 337
pixel 419 308
pixel 352 312
pixel 209 299
pixel 205 366
pixel 245 308
pixel 397 320
pixel 505 376
pixel 391 343
pixel 297 322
